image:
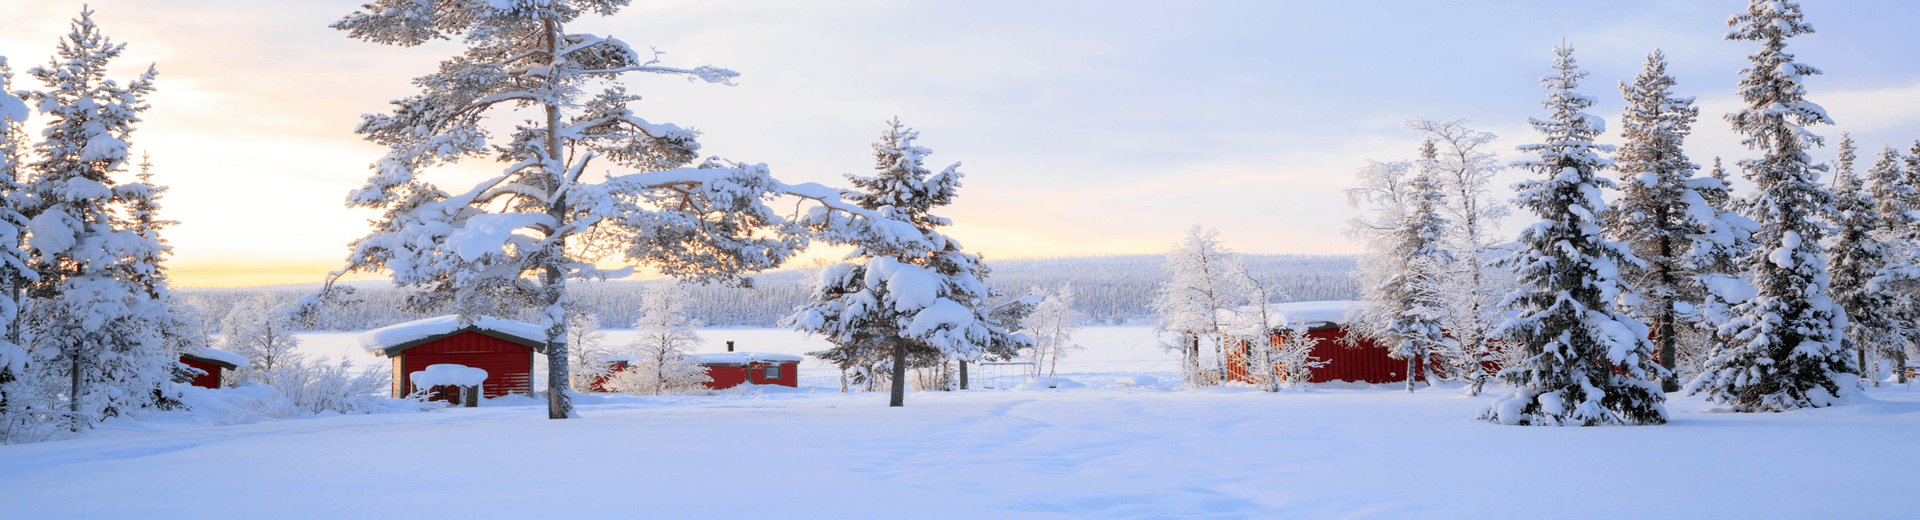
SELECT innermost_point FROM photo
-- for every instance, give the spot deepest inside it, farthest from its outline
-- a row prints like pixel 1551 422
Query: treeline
pixel 1111 290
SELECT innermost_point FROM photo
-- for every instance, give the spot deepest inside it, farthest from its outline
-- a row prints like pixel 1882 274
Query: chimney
pixel 729 346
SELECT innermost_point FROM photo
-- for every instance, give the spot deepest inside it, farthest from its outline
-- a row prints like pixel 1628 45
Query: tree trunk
pixel 1669 350
pixel 1900 364
pixel 843 380
pixel 73 394
pixel 559 404
pixel 899 373
pixel 1412 362
pixel 963 374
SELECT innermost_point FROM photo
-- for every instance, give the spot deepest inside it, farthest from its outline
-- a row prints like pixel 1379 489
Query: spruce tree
pixel 1783 349
pixel 20 401
pixel 1656 213
pixel 1410 300
pixel 1864 264
pixel 1889 193
pixel 925 305
pixel 1583 363
pixel 91 312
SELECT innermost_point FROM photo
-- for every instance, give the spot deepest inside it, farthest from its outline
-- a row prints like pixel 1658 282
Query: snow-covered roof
pixel 447 374
pixel 743 358
pixel 1330 312
pixel 217 355
pixel 392 339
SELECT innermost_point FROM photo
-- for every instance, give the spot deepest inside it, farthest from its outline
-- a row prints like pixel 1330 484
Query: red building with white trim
pixel 505 349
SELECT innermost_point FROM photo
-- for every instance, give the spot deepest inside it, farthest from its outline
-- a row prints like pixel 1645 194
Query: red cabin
pixel 730 369
pixel 505 349
pixel 1362 361
pixel 210 362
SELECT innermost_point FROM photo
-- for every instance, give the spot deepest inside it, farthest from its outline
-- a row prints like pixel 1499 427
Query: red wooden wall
pixel 211 379
pixel 1363 362
pixel 509 365
pixel 732 376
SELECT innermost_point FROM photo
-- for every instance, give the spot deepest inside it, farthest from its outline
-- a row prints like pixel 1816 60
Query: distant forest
pixel 1110 290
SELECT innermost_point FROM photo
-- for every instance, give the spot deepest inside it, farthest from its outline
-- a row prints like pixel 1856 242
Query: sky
pixel 1085 128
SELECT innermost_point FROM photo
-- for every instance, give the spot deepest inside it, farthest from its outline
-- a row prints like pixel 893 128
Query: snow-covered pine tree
pixel 1659 213
pixel 1409 302
pixel 23 408
pixel 516 239
pixel 91 319
pixel 1887 194
pixel 1206 284
pixel 1864 266
pixel 176 327
pixel 924 301
pixel 664 337
pixel 1051 327
pixel 1784 349
pixel 1584 364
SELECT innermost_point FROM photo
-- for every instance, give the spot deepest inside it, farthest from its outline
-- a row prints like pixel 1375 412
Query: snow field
pixel 1084 453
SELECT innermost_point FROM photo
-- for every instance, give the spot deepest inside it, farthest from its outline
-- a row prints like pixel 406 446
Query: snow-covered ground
pixel 1099 452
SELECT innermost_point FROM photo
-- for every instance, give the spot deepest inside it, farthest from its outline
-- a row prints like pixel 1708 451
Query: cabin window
pixel 773 372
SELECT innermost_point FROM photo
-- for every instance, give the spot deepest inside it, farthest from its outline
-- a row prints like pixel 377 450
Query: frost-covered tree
pixel 516 239
pixel 586 349
pixel 1583 363
pixel 91 320
pixel 1051 327
pixel 23 408
pixel 1207 283
pixel 1660 213
pixel 1464 166
pixel 265 335
pixel 664 337
pixel 1784 349
pixel 1406 311
pixel 923 301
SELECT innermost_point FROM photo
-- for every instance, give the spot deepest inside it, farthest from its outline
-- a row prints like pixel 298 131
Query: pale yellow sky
pixel 1081 132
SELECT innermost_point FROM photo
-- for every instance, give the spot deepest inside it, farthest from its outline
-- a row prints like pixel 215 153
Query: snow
pixel 489 233
pixel 1136 381
pixel 377 340
pixel 447 374
pixel 1309 313
pixel 12 108
pixel 1104 451
pixel 744 358
pixel 221 355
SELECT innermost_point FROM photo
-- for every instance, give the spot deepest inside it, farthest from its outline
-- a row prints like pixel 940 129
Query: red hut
pixel 505 349
pixel 210 362
pixel 1363 361
pixel 730 369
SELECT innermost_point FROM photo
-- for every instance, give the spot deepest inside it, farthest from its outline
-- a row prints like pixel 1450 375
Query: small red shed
pixel 503 348
pixel 1362 361
pixel 730 369
pixel 210 362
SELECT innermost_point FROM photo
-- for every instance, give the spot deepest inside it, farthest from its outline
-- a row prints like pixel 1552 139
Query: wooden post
pixel 963 374
pixel 470 396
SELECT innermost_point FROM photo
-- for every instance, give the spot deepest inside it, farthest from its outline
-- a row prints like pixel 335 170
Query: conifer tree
pixel 91 311
pixel 514 240
pixel 1660 214
pixel 21 405
pixel 1888 192
pixel 1784 349
pixel 1864 264
pixel 1583 363
pixel 1409 302
pixel 925 304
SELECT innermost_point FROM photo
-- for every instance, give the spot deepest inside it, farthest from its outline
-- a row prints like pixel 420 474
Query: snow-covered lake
pixel 1097 452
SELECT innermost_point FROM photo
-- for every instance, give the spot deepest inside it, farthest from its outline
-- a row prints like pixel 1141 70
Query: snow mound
pixel 743 358
pixel 219 355
pixel 376 341
pixel 448 374
pixel 1137 381
pixel 1043 383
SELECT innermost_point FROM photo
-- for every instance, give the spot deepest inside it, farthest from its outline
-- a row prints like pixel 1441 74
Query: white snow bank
pixel 447 374
pixel 219 355
pixel 1137 381
pixel 376 341
pixel 744 358
pixel 1043 383
pixel 1313 313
